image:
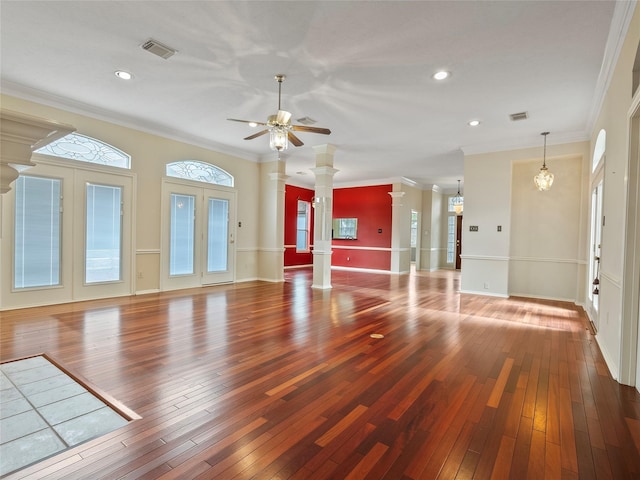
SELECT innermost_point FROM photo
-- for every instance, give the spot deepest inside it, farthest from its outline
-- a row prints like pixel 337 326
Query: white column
pixel 396 231
pixel 323 215
pixel 271 250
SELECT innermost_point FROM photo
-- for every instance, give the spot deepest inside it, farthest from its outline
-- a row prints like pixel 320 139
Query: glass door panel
pixel 217 233
pixel 182 235
pixel 103 240
pixel 37 239
pixel 219 245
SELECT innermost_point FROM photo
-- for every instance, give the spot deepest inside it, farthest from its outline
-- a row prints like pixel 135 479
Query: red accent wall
pixel 291 197
pixel 372 207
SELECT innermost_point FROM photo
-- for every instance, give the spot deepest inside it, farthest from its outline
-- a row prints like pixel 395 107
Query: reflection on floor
pixel 44 411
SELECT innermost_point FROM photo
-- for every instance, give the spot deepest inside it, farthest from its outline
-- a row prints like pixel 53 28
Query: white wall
pixel 615 330
pixel 537 252
pixel 545 230
pixel 487 204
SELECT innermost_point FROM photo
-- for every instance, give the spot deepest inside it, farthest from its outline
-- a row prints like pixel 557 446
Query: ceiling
pixel 361 68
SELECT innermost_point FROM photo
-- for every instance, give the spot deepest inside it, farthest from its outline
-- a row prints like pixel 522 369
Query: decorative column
pixel 323 215
pixel 271 250
pixel 396 231
pixel 20 135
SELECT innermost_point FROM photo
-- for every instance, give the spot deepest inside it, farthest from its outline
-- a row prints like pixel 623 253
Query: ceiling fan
pixel 279 126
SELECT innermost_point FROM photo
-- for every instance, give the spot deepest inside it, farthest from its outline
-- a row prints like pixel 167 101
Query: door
pixel 198 245
pixel 593 289
pixel 458 242
pixel 218 238
pixel 105 236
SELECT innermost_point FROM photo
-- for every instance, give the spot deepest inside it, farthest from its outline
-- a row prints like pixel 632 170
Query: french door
pixel 68 235
pixel 198 235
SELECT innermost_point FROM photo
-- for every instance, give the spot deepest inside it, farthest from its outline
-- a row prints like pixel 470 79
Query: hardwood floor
pixel 277 381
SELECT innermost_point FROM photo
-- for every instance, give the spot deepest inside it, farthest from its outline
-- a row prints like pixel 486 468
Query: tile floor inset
pixel 44 411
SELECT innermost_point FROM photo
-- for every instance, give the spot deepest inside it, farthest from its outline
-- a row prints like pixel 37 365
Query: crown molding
pixel 528 142
pixel 622 15
pixel 69 105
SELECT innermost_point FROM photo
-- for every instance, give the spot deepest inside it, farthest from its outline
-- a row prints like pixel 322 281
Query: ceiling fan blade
pixel 246 121
pixel 295 140
pixel 283 117
pixel 256 135
pixel 304 128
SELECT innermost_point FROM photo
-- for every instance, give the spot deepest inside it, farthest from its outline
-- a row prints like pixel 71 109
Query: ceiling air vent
pixel 306 121
pixel 518 116
pixel 158 48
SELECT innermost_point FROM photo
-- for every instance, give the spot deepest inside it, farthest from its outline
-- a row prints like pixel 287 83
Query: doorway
pixel 458 242
pixel 593 289
pixel 415 228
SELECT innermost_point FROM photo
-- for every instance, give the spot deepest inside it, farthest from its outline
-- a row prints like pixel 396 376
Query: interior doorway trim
pixel 631 271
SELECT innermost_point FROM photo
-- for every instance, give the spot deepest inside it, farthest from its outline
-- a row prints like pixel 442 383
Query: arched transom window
pixel 86 149
pixel 599 150
pixel 200 172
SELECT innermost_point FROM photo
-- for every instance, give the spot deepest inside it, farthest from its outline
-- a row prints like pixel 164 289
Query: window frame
pixel 307 225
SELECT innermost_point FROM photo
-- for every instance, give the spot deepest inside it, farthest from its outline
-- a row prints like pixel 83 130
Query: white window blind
pixel 182 246
pixel 103 233
pixel 37 239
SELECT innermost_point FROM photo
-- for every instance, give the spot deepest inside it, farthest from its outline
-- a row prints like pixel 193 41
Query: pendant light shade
pixel 458 202
pixel 544 179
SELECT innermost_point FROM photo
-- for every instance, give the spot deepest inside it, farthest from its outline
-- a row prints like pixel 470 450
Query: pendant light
pixel 458 202
pixel 544 178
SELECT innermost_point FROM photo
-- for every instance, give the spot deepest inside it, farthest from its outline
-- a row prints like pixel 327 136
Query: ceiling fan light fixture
pixel 278 138
pixel 279 126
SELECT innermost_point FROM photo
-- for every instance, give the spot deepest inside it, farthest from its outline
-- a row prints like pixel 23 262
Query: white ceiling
pixel 361 68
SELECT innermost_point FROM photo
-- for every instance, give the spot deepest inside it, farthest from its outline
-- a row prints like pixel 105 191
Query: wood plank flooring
pixel 279 381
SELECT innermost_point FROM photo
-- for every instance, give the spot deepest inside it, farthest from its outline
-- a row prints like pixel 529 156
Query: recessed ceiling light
pixel 441 75
pixel 123 75
pixel 474 123
pixel 253 124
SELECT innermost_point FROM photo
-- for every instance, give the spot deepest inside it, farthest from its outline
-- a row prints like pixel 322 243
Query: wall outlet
pixel 139 274
pixel 486 286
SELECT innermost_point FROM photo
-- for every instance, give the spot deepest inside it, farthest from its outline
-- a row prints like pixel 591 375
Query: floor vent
pixel 158 48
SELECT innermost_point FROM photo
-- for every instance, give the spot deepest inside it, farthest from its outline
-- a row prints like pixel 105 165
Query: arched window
pixel 86 149
pixel 200 172
pixel 600 148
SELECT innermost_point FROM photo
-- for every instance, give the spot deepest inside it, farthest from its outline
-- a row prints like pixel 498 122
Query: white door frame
pixel 629 360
